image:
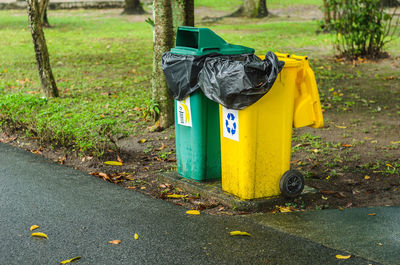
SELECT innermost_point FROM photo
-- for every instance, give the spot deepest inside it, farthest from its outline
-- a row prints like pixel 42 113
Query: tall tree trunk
pixel 183 13
pixel 163 42
pixel 42 56
pixel 133 7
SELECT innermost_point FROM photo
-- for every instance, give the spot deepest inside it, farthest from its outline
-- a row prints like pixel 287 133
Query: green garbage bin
pixel 198 148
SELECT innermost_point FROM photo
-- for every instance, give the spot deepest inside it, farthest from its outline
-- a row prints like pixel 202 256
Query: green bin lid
pixel 201 41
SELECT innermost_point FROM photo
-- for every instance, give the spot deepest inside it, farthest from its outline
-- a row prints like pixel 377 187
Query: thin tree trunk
pixel 42 56
pixel 163 42
pixel 183 12
pixel 262 9
pixel 43 13
pixel 132 7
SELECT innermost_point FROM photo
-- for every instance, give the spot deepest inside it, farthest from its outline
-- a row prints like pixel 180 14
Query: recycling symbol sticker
pixel 230 123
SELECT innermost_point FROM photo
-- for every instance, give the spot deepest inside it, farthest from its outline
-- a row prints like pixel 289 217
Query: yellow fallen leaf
pixel 340 127
pixel 176 196
pixel 136 236
pixel 367 177
pixel 389 165
pixel 283 209
pixel 193 212
pixel 374 142
pixel 324 198
pixel 395 142
pixel 343 257
pixel 380 244
pixel 372 214
pixel 142 141
pixel 113 163
pixel 328 177
pixel 33 227
pixel 38 234
pixel 239 233
pixel 70 260
pixel 114 242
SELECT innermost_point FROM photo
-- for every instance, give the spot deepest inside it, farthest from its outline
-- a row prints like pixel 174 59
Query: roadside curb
pixel 213 190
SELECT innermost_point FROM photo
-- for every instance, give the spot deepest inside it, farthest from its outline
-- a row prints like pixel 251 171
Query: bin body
pixel 256 141
pixel 198 152
pixel 198 149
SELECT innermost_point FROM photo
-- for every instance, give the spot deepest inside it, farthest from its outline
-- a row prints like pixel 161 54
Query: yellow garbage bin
pixel 256 141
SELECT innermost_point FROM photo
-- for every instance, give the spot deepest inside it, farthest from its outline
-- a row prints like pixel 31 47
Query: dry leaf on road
pixel 39 234
pixel 239 233
pixel 193 212
pixel 70 260
pixel 343 257
pixel 115 242
pixel 33 227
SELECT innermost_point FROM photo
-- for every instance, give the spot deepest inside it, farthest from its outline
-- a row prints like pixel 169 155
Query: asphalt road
pixel 81 213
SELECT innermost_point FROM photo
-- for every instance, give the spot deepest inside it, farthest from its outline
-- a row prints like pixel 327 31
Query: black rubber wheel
pixel 292 184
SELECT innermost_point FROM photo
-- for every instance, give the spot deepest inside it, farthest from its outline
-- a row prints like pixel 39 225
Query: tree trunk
pixel 183 13
pixel 42 56
pixel 163 42
pixel 251 8
pixel 133 7
pixel 262 8
pixel 43 12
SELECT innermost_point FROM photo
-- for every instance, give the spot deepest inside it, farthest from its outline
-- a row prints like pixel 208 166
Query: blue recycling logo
pixel 230 124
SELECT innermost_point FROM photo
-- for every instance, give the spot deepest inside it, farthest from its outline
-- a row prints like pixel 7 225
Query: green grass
pixel 233 4
pixel 102 64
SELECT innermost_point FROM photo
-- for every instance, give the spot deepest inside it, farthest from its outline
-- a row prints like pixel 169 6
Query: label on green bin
pixel 183 112
pixel 230 123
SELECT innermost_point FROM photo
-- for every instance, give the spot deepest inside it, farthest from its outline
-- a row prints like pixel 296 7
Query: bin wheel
pixel 292 184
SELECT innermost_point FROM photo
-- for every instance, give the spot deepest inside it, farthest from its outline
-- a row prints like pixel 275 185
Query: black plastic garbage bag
pixel 237 81
pixel 181 72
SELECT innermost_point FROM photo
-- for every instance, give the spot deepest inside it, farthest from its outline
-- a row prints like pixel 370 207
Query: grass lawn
pixel 102 64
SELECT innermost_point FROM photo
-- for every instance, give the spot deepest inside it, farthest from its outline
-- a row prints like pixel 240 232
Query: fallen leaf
pixel 397 142
pixel 340 127
pixel 136 236
pixel 348 205
pixel 70 260
pixel 283 209
pixel 113 163
pixel 193 212
pixel 39 234
pixel 374 142
pixel 346 145
pixel 324 198
pixel 176 196
pixel 380 244
pixel 119 159
pixel 372 214
pixel 115 242
pixel 239 233
pixel 328 177
pixel 389 165
pixel 143 188
pixel 33 227
pixel 104 176
pixel 162 147
pixel 367 177
pixel 142 141
pixel 343 257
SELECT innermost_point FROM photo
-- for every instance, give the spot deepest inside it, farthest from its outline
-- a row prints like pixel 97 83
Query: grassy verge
pixel 102 64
